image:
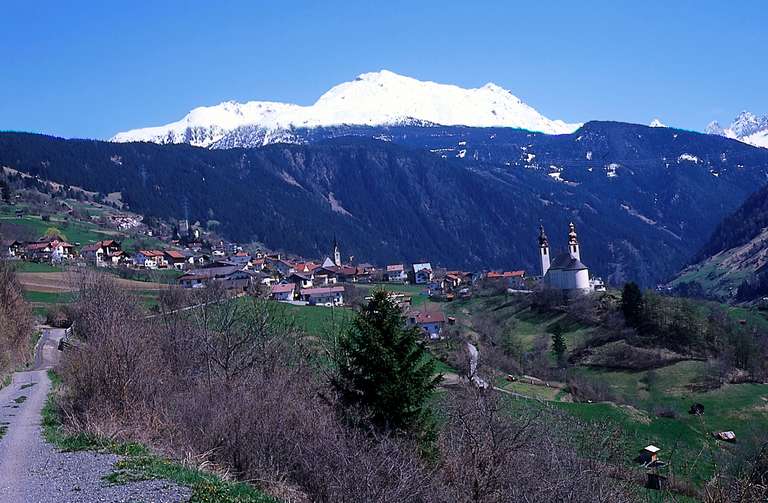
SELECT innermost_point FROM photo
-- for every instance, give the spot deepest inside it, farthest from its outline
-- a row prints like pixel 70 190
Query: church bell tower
pixel 573 242
pixel 336 253
pixel 543 251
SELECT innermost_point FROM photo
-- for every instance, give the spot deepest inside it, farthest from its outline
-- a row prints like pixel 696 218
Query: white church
pixel 565 271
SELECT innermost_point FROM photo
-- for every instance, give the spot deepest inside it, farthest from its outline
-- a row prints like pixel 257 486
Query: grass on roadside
pixel 138 463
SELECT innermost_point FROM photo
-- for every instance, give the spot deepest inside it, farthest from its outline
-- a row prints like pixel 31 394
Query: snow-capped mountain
pixel 656 123
pixel 372 99
pixel 747 127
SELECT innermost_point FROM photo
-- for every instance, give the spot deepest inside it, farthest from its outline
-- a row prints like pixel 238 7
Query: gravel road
pixel 33 471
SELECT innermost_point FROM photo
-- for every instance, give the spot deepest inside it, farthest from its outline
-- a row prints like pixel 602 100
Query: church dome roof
pixel 565 262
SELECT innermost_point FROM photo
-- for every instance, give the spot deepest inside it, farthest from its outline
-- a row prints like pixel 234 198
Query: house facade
pixel 324 296
pixel 149 259
pixel 282 291
pixel 396 273
pixel 430 323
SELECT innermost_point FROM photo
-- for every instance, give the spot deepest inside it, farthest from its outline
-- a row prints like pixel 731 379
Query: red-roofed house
pixel 49 251
pixel 150 259
pixel 512 279
pixel 430 322
pixel 103 253
pixel 175 259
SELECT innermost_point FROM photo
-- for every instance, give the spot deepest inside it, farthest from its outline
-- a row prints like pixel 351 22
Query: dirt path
pixel 31 470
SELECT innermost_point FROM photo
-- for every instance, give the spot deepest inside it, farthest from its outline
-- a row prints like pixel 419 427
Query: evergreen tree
pixel 558 345
pixel 632 304
pixel 5 191
pixel 383 371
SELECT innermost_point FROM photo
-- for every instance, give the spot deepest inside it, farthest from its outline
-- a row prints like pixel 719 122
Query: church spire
pixel 336 252
pixel 543 251
pixel 573 242
pixel 543 241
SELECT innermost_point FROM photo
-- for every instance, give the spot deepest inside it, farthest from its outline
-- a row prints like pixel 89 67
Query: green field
pixel 48 297
pixel 642 401
pixel 72 231
pixel 507 313
pixel 318 321
pixel 22 266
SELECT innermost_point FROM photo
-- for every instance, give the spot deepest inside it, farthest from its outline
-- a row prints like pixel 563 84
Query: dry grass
pixel 60 282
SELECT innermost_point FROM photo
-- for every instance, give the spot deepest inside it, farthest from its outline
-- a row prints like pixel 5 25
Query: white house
pixel 103 253
pixel 282 291
pixel 324 296
pixel 396 273
pixel 565 271
pixel 149 259
pixel 422 273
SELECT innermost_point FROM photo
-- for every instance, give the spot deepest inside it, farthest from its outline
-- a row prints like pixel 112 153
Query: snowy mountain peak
pixel 372 99
pixel 656 123
pixel 746 127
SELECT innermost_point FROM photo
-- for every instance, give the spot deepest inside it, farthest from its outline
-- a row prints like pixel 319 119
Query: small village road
pixel 33 471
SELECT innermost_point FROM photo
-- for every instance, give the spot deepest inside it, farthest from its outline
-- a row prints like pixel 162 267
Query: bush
pixel 586 389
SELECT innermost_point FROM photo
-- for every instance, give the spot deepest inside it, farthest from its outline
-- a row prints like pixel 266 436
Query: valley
pixel 426 252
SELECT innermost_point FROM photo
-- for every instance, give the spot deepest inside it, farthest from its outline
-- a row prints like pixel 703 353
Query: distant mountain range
pixel 746 127
pixel 373 99
pixel 644 199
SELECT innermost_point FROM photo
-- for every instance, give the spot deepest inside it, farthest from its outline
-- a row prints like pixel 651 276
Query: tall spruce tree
pixel 632 304
pixel 558 345
pixel 384 373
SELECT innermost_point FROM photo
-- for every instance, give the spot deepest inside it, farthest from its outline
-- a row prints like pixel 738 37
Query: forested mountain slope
pixel 643 199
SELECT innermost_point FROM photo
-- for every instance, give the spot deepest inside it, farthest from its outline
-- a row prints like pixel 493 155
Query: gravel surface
pixel 33 471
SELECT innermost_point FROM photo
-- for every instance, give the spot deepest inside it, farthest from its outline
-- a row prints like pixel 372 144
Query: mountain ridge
pixel 746 127
pixel 372 99
pixel 644 199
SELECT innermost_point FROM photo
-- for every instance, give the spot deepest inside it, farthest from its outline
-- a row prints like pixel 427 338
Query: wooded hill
pixel 644 199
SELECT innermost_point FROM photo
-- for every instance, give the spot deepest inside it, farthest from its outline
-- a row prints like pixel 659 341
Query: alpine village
pixel 383 288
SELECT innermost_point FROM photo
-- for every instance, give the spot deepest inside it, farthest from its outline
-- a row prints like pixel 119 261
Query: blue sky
pixel 90 69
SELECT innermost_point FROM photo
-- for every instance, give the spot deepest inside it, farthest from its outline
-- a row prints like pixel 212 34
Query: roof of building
pixel 505 274
pixel 175 254
pixel 429 317
pixel 283 288
pixel 210 272
pixel 322 290
pixel 565 262
pixel 395 268
pixel 420 266
pixel 151 253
